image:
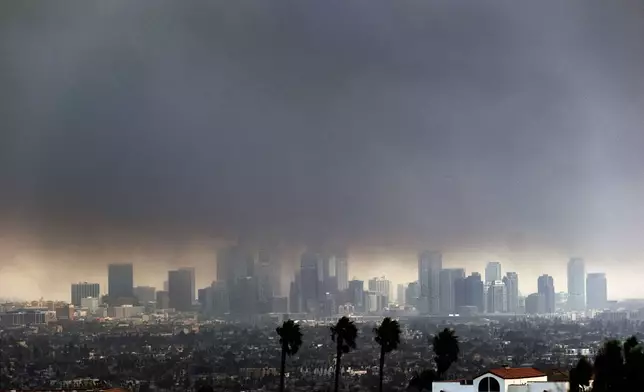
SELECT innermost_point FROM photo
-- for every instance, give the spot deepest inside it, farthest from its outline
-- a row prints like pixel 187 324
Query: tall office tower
pixel 497 297
pixel 546 287
pixel 217 301
pixel 400 294
pixel 120 281
pixel 165 285
pixel 381 286
pixel 597 290
pixel 243 297
pixel 269 275
pixel 145 294
pixel 310 274
pixel 193 288
pixel 163 300
pixel 356 294
pixel 329 278
pixel 84 290
pixel 535 304
pixel 295 295
pixel 576 284
pixel 492 272
pixel 179 282
pixel 342 270
pixel 430 265
pixel 447 295
pixel 412 292
pixel 474 291
pixel 235 262
pixel 511 281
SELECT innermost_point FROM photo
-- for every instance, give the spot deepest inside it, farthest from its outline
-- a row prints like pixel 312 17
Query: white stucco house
pixel 504 379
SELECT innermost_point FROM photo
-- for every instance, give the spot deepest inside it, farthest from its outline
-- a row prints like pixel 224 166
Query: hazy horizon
pixel 153 132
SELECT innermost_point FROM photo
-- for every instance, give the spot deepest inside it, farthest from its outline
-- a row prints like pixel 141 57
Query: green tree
pixel 291 341
pixel 446 351
pixel 633 364
pixel 609 368
pixel 580 375
pixel 388 337
pixel 344 333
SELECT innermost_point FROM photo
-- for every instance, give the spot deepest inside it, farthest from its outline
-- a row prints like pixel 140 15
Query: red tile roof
pixel 510 373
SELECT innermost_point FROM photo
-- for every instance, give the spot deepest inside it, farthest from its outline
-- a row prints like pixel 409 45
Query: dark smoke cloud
pixel 451 122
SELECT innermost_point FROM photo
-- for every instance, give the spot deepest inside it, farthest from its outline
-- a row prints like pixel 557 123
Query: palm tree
pixel 446 351
pixel 344 334
pixel 290 340
pixel 388 337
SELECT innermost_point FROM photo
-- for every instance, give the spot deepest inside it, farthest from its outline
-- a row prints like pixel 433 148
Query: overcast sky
pixel 501 129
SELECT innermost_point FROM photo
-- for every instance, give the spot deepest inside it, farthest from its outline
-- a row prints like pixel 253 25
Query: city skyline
pixel 391 272
pixel 472 129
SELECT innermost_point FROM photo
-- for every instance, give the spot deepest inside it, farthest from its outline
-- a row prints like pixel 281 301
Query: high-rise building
pixel 295 295
pixel 381 286
pixel 546 287
pixel 535 304
pixel 179 284
pixel 310 276
pixel 576 284
pixel 269 273
pixel 191 271
pixel 511 281
pixel 265 272
pixel 217 301
pixel 84 290
pixel 400 294
pixel 493 272
pixel 430 265
pixel 342 270
pixel 412 292
pixel 448 278
pixel 243 297
pixel 145 294
pixel 329 278
pixel 497 297
pixel 237 268
pixel 597 291
pixel 474 292
pixel 120 281
pixel 163 300
pixel 235 262
pixel 356 294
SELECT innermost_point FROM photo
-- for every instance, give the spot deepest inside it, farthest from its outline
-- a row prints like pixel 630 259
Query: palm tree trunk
pixel 382 367
pixel 283 367
pixel 337 370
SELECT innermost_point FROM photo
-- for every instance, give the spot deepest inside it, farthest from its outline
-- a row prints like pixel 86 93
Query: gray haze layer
pixel 456 124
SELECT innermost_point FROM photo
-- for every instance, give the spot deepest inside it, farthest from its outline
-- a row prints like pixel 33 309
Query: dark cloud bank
pixel 460 123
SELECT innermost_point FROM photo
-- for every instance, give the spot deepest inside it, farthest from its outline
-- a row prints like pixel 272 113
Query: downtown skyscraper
pixel 430 265
pixel 576 284
pixel 511 281
pixel 120 281
pixel 546 287
pixel 597 291
pixel 492 272
pixel 448 288
pixel 310 281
